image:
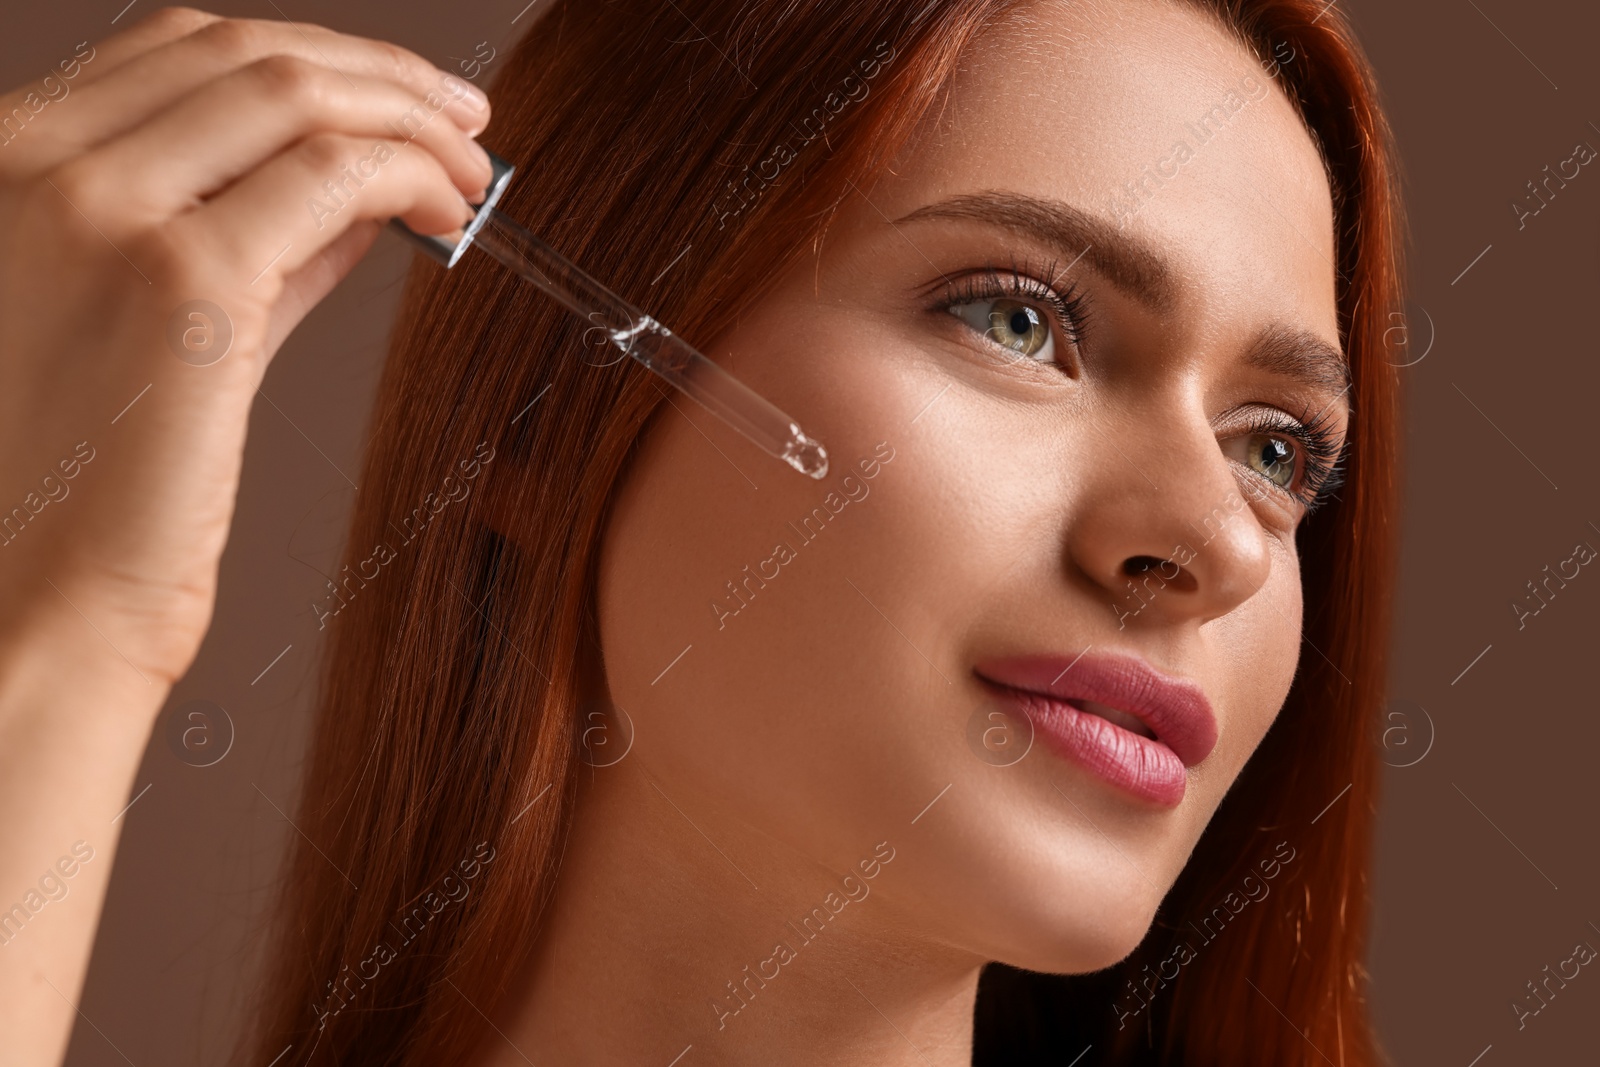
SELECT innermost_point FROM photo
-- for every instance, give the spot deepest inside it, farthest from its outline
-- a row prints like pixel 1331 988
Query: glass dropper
pixel 629 329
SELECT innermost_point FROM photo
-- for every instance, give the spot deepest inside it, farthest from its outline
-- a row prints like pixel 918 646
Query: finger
pixel 281 216
pixel 240 121
pixel 158 78
pixel 25 105
pixel 154 30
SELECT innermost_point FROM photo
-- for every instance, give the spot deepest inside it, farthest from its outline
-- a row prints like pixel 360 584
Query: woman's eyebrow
pixel 1302 356
pixel 1126 261
pixel 1134 266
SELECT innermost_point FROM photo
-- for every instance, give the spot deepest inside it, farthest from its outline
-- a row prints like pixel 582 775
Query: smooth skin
pixel 774 750
pixel 178 168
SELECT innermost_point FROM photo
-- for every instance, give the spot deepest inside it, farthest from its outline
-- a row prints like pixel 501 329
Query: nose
pixel 1172 539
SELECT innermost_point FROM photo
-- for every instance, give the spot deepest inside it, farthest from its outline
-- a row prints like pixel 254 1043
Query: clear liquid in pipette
pixel 652 344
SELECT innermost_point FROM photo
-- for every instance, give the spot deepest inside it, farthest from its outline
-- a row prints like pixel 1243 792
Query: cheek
pixel 1251 661
pixel 778 647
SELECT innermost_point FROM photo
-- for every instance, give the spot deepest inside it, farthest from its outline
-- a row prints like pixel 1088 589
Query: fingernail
pixel 474 97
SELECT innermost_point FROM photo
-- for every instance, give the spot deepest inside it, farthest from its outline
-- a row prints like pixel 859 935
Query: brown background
pixel 1487 868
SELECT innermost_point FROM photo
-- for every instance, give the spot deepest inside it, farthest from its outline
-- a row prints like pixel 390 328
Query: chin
pixel 1080 910
pixel 1088 939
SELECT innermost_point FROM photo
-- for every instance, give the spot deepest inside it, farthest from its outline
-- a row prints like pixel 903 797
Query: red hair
pixel 449 694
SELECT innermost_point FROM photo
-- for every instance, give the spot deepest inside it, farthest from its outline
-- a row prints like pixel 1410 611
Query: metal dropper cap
pixel 447 248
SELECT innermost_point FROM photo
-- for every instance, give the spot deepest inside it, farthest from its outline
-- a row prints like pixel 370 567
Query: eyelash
pixel 1069 309
pixel 1319 445
pixel 1314 435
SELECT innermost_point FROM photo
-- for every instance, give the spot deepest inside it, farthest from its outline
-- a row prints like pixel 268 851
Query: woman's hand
pixel 173 201
pixel 201 185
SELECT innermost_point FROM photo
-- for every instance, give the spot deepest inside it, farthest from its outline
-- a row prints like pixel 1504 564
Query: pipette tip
pixel 805 454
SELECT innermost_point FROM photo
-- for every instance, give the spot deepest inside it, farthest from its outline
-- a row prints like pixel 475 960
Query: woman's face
pixel 1076 365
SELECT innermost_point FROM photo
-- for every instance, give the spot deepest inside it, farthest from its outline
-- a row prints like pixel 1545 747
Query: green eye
pixel 1300 455
pixel 1274 458
pixel 1011 324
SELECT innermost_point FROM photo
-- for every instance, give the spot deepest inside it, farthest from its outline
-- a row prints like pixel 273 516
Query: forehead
pixel 1151 115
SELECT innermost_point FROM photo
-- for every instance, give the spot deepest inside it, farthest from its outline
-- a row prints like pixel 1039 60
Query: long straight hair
pixel 442 767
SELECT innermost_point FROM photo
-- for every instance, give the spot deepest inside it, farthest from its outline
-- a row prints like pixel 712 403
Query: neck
pixel 678 933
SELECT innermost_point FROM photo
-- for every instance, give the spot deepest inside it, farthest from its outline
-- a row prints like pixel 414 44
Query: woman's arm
pixel 173 201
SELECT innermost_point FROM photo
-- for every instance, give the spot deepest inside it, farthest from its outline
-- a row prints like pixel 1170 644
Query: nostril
pixel 1150 570
pixel 1134 566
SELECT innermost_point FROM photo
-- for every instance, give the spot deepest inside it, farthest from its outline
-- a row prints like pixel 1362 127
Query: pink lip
pixel 1175 710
